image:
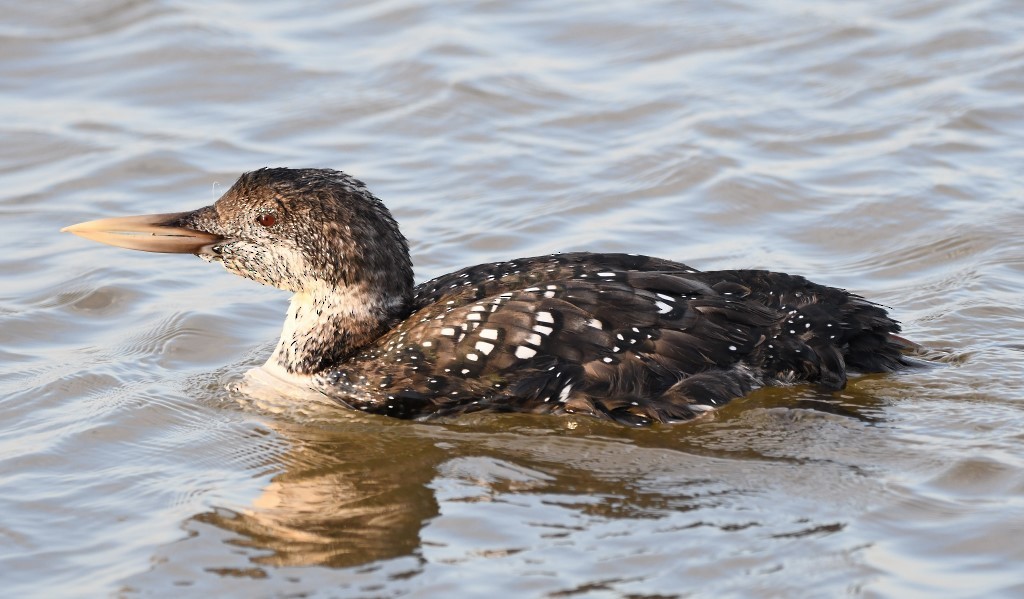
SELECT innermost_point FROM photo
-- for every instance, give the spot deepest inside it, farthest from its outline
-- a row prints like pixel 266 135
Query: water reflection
pixel 355 489
pixel 344 499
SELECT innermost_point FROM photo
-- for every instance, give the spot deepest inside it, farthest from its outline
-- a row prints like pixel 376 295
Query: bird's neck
pixel 327 325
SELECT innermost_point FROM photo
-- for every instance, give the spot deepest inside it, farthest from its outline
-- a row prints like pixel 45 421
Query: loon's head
pixel 301 230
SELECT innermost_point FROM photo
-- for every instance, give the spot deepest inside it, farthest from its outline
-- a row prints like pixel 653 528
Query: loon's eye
pixel 267 219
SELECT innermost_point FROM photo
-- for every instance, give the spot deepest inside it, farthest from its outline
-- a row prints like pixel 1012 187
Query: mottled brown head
pixel 295 229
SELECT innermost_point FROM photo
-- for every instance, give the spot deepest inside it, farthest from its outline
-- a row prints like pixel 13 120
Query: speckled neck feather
pixel 326 326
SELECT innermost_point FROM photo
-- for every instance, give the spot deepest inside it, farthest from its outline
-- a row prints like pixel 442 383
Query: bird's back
pixel 632 338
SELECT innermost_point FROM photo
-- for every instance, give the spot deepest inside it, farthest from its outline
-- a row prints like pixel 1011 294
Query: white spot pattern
pixel 525 353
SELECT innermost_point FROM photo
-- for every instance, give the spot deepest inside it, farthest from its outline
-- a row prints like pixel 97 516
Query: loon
pixel 630 338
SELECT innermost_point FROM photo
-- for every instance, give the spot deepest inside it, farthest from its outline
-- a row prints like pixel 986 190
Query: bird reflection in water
pixel 344 499
pixel 360 489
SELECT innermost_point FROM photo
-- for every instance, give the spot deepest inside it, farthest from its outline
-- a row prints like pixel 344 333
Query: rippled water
pixel 875 146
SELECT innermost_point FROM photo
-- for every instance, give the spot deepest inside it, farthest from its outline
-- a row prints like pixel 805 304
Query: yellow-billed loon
pixel 632 338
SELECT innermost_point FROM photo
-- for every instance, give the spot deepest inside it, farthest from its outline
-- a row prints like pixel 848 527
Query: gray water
pixel 875 146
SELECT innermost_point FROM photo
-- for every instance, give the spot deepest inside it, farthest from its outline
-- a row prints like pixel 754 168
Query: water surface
pixel 873 146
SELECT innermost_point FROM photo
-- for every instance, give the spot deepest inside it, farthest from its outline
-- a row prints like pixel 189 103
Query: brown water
pixel 876 146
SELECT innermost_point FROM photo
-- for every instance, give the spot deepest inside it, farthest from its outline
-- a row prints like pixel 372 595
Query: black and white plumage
pixel 631 338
